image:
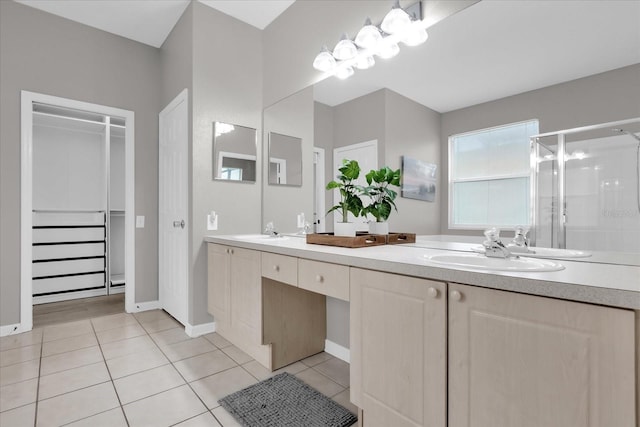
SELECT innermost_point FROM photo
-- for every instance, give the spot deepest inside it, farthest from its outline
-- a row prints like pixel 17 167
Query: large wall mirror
pixel 234 152
pixel 285 160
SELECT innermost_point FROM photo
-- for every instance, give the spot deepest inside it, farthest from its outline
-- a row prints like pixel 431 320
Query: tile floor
pixel 135 370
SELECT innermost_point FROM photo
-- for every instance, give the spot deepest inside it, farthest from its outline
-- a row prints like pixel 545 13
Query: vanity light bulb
pixel 365 62
pixel 345 49
pixel 344 73
pixel 369 36
pixel 415 37
pixel 396 20
pixel 324 61
pixel 388 50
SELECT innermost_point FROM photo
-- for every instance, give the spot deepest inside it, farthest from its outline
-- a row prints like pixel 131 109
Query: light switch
pixel 212 221
pixel 140 221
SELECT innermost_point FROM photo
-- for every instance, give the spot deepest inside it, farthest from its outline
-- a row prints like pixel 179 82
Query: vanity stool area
pixel 432 346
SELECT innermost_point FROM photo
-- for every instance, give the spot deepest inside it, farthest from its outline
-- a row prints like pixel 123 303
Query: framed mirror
pixel 234 152
pixel 285 160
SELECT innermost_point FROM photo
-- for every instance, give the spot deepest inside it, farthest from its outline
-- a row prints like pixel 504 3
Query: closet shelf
pixel 72 123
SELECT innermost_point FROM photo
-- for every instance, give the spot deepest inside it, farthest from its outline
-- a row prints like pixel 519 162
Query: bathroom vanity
pixel 434 345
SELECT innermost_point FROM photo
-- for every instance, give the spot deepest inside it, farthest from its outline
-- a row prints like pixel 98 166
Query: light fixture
pixel 396 20
pixel 415 36
pixel 399 25
pixel 364 62
pixel 324 60
pixel 345 49
pixel 369 36
pixel 344 72
pixel 387 49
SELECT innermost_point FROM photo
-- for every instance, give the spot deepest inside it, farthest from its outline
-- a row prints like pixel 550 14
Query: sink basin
pixel 259 237
pixel 546 252
pixel 481 262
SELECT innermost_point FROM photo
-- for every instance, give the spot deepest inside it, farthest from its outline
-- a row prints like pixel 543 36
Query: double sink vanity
pixel 436 341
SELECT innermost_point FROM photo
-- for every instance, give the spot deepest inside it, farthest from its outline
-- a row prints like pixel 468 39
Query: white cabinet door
pixel 528 361
pixel 398 349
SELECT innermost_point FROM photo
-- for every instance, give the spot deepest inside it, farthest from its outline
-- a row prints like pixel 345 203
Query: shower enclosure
pixel 585 189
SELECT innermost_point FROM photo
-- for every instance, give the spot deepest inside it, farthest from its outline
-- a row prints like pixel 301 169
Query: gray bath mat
pixel 285 401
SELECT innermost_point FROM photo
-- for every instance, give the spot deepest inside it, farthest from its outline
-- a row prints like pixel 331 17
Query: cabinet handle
pixel 456 295
pixel 227 250
pixel 319 279
pixel 432 292
pixel 231 251
pixel 276 268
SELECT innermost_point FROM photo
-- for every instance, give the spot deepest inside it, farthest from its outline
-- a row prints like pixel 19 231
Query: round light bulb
pixel 345 49
pixel 388 50
pixel 415 37
pixel 396 20
pixel 324 61
pixel 344 72
pixel 369 36
pixel 365 62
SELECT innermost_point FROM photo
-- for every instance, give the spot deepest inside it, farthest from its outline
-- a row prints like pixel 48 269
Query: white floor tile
pixel 321 383
pixel 110 418
pixel 20 354
pixel 185 349
pixel 164 409
pixel 18 394
pixel 67 330
pixel 137 362
pixel 121 333
pixel 21 340
pixel 72 379
pixel 113 321
pixel 147 383
pixel 77 405
pixel 225 418
pixel 215 387
pixel 128 346
pixel 19 372
pixel 65 345
pixel 23 416
pixel 202 420
pixel 70 360
pixel 204 365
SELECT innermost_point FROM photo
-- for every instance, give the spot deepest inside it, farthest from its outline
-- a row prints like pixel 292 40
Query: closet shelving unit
pixel 78 204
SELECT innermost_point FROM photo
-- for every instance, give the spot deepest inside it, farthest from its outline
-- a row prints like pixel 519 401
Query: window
pixel 489 177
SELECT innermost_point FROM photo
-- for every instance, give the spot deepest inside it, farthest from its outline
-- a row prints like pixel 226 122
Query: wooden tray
pixel 361 240
pixel 397 238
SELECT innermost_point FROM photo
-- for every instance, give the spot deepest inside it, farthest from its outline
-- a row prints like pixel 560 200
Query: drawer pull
pixel 432 292
pixel 276 268
pixel 456 295
pixel 319 279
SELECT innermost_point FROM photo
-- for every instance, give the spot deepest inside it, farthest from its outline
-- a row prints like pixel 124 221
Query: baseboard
pixel 196 330
pixel 10 329
pixel 337 350
pixel 145 306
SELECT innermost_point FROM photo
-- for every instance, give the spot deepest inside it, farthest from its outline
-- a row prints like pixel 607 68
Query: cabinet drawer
pixel 327 279
pixel 281 268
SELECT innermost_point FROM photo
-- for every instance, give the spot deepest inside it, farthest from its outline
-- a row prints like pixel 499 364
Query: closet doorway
pixel 77 202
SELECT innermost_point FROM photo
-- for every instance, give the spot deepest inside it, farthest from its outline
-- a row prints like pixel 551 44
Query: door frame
pixel 319 190
pixel 362 224
pixel 182 97
pixel 26 197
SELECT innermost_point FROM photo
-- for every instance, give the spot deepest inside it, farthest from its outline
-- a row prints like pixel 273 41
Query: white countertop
pixel 605 284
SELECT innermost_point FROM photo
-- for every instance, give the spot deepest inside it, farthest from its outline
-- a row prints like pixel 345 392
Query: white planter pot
pixel 379 227
pixel 346 229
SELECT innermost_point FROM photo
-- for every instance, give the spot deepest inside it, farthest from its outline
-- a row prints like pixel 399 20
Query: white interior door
pixel 366 154
pixel 173 229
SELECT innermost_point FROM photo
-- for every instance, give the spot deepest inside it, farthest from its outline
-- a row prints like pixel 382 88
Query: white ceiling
pixel 151 21
pixel 493 49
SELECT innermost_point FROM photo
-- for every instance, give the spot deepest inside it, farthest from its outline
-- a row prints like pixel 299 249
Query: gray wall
pixel 413 130
pixel 47 54
pixel 227 87
pixel 601 98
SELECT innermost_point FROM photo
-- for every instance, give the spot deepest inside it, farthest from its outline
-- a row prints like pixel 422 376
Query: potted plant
pixel 382 197
pixel 349 197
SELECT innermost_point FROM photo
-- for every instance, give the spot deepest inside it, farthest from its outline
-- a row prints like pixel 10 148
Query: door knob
pixel 177 224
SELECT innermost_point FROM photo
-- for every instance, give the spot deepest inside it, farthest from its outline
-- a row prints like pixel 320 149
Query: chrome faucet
pixel 270 229
pixel 493 247
pixel 520 242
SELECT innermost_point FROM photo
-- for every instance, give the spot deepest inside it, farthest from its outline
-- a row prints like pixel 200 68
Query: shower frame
pixel 559 218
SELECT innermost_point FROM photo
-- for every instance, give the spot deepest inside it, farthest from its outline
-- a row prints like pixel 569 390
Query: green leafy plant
pixel 349 192
pixel 382 197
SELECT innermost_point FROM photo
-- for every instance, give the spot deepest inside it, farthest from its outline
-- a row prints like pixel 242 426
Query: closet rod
pixel 66 211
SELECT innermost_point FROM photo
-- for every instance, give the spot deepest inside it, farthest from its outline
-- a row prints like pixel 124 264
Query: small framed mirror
pixel 234 152
pixel 285 160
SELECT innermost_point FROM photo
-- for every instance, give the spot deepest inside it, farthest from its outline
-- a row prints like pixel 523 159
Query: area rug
pixel 285 401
